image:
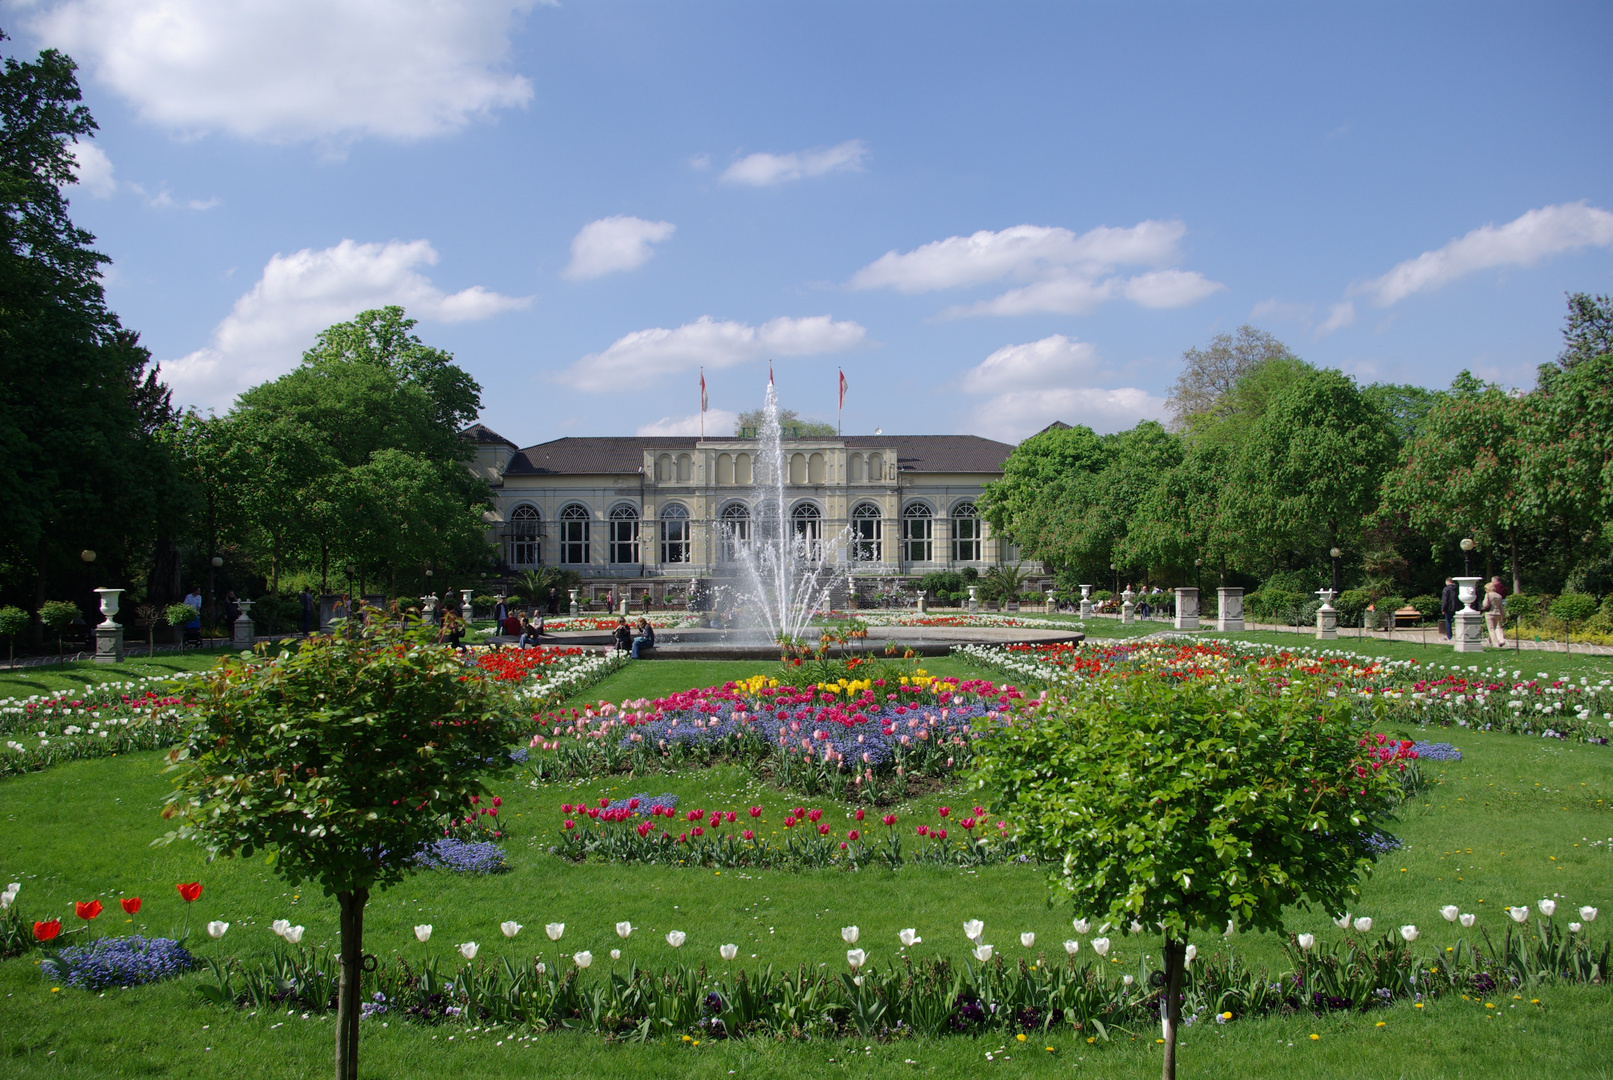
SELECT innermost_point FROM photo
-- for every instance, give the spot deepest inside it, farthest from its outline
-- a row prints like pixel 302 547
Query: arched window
pixel 574 523
pixel 664 469
pixel 965 533
pixel 854 469
pixel 917 527
pixel 807 523
pixel 734 524
pixel 742 469
pixel 725 468
pixel 526 528
pixel 798 468
pixel 876 468
pixel 685 468
pixel 624 534
pixel 815 469
pixel 674 534
pixel 867 540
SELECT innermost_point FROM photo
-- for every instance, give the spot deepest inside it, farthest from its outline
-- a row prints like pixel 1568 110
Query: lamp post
pixel 1116 568
pixel 1198 574
pixel 1467 555
pixel 1335 553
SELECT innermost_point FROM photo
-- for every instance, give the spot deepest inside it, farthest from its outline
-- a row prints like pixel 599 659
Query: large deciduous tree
pixel 1210 374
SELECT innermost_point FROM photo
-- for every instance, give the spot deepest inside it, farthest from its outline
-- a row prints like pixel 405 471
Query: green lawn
pixel 1517 820
pixel 74 675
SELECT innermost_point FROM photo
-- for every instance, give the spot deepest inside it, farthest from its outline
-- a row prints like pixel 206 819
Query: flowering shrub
pixel 857 738
pixel 110 718
pixel 117 961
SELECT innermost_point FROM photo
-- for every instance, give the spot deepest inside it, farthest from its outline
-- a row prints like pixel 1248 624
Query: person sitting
pixel 644 639
pixel 510 625
pixel 623 634
pixel 531 632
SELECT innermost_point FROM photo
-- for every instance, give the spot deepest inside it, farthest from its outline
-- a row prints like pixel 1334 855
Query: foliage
pixel 532 586
pixel 13 621
pixel 58 615
pixel 1572 608
pixel 1588 332
pixel 1428 606
pixel 1210 374
pixel 179 614
pixel 791 424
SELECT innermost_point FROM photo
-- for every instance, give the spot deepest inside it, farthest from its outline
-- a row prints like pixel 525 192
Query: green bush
pixel 484 604
pixel 1385 611
pixel 277 614
pixel 1574 609
pixel 1351 605
pixel 1273 605
pixel 1523 607
pixel 13 621
pixel 1100 595
pixel 1303 582
pixel 1427 606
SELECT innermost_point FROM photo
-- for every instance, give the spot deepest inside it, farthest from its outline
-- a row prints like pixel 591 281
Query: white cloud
pixel 1069 273
pixel 719 422
pixel 297 69
pixel 636 358
pixel 1339 316
pixel 1020 413
pixel 765 170
pixel 301 294
pixel 93 169
pixel 615 243
pixel 1551 230
pixel 1049 362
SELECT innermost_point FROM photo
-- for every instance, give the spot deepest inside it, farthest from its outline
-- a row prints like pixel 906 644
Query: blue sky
pixel 990 216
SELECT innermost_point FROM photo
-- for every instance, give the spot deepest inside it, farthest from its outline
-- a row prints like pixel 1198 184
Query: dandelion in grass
pixel 909 937
pixel 510 928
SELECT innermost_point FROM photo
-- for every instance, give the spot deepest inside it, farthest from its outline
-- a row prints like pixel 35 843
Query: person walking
pixel 554 600
pixel 1449 601
pixel 1495 612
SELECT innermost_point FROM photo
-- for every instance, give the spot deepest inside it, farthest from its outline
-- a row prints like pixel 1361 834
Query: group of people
pixel 1494 607
pixel 631 639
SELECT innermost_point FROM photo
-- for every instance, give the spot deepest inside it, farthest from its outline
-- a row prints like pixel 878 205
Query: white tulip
pixel 294 935
pixel 1575 927
pixel 583 959
pixel 9 895
pixel 510 928
pixel 468 950
pixel 1072 946
pixel 422 933
pixel 215 929
pixel 1467 920
pixel 280 926
pixel 1127 980
pixel 1191 954
pixel 676 938
pixel 1230 930
pixel 1548 908
pixel 1135 927
pixel 1027 939
pixel 1343 921
pixel 1082 926
pixel 616 954
pixel 543 969
pixel 1587 913
pixel 623 929
pixel 1362 925
pixel 1450 911
pixel 856 958
pixel 1519 914
pixel 910 937
pixel 728 952
pixel 973 929
pixel 1100 945
pixel 554 930
pixel 983 953
pixel 1307 941
pixel 1409 932
pixel 848 934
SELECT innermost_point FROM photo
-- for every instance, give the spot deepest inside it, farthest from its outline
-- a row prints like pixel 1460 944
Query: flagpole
pixel 702 404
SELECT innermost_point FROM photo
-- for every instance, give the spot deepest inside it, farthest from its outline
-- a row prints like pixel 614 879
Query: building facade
pixel 652 515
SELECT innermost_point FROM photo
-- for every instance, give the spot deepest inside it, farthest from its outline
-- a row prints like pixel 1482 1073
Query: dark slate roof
pixel 483 435
pixel 1057 425
pixel 625 454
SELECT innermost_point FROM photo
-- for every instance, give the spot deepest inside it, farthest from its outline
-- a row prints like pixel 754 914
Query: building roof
pixel 483 435
pixel 625 454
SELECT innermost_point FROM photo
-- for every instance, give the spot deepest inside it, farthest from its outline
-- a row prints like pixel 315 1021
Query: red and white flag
pixel 703 403
pixel 842 389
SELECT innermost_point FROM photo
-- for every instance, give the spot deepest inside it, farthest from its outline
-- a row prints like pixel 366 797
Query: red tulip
pixel 46 931
pixel 756 811
pixel 87 911
pixel 823 830
pixel 190 892
pixel 814 815
pixel 749 835
pixel 859 813
pixel 852 835
pixel 944 811
pixel 131 905
pixel 890 819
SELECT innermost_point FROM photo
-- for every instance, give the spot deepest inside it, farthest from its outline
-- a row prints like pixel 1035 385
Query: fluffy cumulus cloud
pixel 718 422
pixel 1528 239
pixel 297 69
pixel 643 355
pixel 1029 386
pixel 767 170
pixel 1066 272
pixel 615 243
pixel 302 293
pixel 93 169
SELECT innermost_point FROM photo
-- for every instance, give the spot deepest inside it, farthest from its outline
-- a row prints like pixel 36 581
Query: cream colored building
pixel 653 514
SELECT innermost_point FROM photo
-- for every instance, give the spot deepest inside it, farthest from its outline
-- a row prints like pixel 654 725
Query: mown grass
pixel 1516 820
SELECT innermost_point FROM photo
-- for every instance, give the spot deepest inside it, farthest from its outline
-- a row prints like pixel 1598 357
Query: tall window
pixel 525 527
pixel 624 534
pixel 674 534
pixel 867 543
pixel 808 527
pixel 965 533
pixel 917 524
pixel 574 534
pixel 734 523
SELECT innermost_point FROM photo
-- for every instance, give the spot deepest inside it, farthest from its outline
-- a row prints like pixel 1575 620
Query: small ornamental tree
pixel 336 763
pixel 1181 804
pixel 58 615
pixel 13 621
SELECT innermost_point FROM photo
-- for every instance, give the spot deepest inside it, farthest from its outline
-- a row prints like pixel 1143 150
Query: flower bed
pixel 1483 699
pixel 111 718
pixel 463 857
pixel 558 624
pixel 118 961
pixel 976 621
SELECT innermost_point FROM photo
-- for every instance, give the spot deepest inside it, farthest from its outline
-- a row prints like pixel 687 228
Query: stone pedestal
pixel 1086 601
pixel 1327 617
pixel 109 633
pixel 1128 609
pixel 576 608
pixel 243 633
pixel 1468 630
pixel 1229 610
pixel 923 604
pixel 1187 609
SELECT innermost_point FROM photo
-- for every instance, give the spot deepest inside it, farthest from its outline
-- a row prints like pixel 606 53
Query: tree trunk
pixel 1171 1010
pixel 1517 576
pixel 348 1008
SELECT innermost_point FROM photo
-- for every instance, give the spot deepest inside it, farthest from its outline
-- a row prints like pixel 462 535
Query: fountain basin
pixel 697 643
